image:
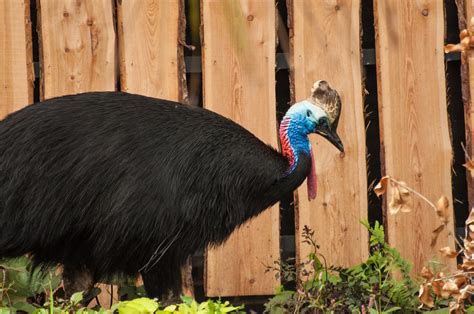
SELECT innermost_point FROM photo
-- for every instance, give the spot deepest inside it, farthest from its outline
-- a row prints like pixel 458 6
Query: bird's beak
pixel 331 135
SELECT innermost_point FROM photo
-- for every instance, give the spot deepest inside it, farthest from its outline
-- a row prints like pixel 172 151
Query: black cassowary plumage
pixel 110 183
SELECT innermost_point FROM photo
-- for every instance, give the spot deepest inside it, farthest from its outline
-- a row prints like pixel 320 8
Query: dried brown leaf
pixel 437 287
pixel 400 200
pixel 460 280
pixel 442 209
pixel 427 273
pixel 381 187
pixel 471 227
pixel 425 296
pixel 467 265
pixel 455 308
pixel 468 248
pixel 466 42
pixel 466 292
pixel 402 187
pixel 469 165
pixel 450 289
pixel 453 48
pixel 396 201
pixel 448 252
pixel 436 234
pixel 470 219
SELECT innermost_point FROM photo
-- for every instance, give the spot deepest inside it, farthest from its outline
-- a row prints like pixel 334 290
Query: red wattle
pixel 312 180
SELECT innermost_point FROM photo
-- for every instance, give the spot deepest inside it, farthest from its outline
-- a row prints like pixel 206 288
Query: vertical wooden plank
pixel 467 75
pixel 152 63
pixel 239 82
pixel 16 61
pixel 77 46
pixel 413 119
pixel 78 55
pixel 325 44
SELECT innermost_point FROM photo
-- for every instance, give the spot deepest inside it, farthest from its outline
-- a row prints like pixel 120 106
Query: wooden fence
pixel 92 45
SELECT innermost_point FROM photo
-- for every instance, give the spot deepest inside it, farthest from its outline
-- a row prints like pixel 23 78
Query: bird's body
pixel 112 183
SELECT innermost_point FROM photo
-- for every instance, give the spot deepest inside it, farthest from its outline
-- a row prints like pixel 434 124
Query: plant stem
pixel 453 276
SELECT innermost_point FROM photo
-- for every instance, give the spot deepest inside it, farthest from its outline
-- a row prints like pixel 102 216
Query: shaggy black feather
pixel 102 182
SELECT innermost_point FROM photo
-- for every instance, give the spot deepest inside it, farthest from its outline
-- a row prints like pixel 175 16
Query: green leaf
pixel 6 310
pixel 170 308
pixel 140 305
pixel 77 297
pixel 470 309
pixel 25 307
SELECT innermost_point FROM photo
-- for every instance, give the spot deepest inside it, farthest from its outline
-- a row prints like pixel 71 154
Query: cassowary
pixel 110 183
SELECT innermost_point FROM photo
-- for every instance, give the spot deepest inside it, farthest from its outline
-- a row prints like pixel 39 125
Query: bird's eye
pixel 323 122
pixel 308 113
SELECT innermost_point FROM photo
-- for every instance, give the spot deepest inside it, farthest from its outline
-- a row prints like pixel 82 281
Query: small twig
pixel 4 279
pixel 111 295
pixel 456 240
pixel 453 276
pixel 187 46
pixel 466 155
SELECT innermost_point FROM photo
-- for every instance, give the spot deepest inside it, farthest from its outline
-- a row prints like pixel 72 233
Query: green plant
pixel 379 285
pixel 188 306
pixel 20 283
pixel 35 292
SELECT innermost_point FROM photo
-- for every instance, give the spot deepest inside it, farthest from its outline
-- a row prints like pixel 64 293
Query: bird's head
pixel 319 114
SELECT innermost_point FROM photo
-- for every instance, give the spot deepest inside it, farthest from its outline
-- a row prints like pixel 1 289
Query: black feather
pixel 113 183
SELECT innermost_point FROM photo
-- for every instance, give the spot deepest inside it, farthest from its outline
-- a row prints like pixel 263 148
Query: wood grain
pixel 16 63
pixel 151 64
pixel 77 46
pixel 77 55
pixel 413 119
pixel 325 44
pixel 239 82
pixel 467 77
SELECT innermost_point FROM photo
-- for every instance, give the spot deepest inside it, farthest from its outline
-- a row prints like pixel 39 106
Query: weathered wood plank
pixel 413 119
pixel 325 44
pixel 467 74
pixel 239 82
pixel 16 61
pixel 77 46
pixel 152 64
pixel 78 54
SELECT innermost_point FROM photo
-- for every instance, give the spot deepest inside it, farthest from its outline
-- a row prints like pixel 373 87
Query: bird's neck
pixel 294 142
pixel 296 148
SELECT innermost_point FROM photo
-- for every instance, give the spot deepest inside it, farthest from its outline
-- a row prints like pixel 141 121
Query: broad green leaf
pixel 170 308
pixel 23 306
pixel 141 305
pixel 187 299
pixel 77 297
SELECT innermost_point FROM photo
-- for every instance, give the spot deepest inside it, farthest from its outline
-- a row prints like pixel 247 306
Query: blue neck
pixel 294 139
